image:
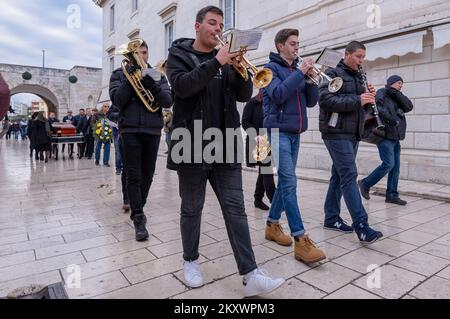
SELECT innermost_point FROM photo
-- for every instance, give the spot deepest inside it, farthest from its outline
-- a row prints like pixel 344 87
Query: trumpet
pixel 133 58
pixel 261 78
pixel 318 77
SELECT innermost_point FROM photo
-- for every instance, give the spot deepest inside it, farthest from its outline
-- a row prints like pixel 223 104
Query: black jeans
pixel 264 184
pixel 226 182
pixel 124 177
pixel 140 154
pixel 89 139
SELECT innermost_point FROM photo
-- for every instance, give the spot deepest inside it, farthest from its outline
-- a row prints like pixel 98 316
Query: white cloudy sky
pixel 29 26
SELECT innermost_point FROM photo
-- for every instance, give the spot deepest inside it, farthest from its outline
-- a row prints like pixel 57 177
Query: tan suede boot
pixel 306 251
pixel 274 232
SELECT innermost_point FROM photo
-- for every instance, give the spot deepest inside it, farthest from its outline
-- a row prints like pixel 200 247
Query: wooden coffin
pixel 64 129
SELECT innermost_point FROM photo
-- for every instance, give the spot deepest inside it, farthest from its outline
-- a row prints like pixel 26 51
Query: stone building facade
pixel 409 37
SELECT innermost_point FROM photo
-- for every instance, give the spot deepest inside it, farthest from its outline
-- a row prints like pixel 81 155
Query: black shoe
pixel 364 190
pixel 260 204
pixel 118 171
pixel 97 163
pixel 106 165
pixel 339 225
pixel 139 221
pixel 396 200
pixel 366 234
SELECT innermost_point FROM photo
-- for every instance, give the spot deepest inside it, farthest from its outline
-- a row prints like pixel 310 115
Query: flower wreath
pixel 103 131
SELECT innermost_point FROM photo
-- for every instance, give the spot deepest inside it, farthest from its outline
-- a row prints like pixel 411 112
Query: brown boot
pixel 274 232
pixel 306 251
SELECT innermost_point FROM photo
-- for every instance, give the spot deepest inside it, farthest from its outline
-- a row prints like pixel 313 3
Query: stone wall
pixel 329 23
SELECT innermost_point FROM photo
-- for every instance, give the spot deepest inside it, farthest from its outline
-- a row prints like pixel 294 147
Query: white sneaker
pixel 259 283
pixel 192 275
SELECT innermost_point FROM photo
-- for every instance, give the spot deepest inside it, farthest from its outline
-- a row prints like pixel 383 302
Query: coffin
pixel 64 129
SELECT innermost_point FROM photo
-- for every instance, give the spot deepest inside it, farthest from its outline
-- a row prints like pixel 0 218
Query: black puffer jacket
pixel 133 115
pixel 189 80
pixel 346 102
pixel 392 105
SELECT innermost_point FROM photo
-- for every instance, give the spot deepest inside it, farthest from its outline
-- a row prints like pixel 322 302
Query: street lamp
pixel 43 59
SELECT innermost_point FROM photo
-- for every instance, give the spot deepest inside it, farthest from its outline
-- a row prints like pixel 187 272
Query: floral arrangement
pixel 103 131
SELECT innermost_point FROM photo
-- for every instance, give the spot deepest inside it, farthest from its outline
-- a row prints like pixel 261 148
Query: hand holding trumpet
pixel 224 57
pixel 306 66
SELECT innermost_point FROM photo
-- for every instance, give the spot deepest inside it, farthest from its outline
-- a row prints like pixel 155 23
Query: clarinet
pixel 380 125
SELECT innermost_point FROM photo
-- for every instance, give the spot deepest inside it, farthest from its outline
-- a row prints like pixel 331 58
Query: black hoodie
pixel 193 78
pixel 134 117
pixel 346 102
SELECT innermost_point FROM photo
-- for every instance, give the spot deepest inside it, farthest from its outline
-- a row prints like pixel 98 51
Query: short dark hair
pixel 144 44
pixel 81 109
pixel 283 35
pixel 202 13
pixel 354 46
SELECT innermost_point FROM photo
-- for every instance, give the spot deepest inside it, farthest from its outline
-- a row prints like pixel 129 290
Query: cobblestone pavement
pixel 69 213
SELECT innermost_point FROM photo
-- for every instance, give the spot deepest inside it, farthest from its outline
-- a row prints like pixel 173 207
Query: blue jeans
pixel 98 148
pixel 117 147
pixel 390 155
pixel 285 147
pixel 343 182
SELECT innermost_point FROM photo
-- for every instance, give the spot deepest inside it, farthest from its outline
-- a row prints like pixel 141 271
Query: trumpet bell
pixel 335 85
pixel 129 47
pixel 263 78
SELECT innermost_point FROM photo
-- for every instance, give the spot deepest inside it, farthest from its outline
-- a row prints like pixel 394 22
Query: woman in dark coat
pixel 253 117
pixel 41 136
pixel 29 133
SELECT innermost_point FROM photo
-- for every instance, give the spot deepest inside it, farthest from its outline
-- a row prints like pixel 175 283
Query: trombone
pixel 318 77
pixel 261 78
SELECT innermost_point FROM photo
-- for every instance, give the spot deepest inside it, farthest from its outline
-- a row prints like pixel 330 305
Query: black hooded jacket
pixel 190 80
pixel 134 117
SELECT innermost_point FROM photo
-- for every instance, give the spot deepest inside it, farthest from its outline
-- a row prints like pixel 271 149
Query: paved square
pixel 69 213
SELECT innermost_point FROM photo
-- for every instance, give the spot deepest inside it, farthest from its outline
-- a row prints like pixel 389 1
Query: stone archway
pixel 44 93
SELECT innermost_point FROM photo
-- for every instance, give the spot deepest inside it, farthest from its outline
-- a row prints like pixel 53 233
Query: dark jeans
pixel 89 146
pixel 124 177
pixel 390 155
pixel 117 151
pixel 343 182
pixel 226 182
pixel 140 154
pixel 264 184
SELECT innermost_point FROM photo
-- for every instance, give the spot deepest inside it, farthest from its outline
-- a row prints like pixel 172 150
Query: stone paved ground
pixel 56 215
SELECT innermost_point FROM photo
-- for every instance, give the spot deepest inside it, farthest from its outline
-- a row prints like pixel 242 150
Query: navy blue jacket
pixel 287 97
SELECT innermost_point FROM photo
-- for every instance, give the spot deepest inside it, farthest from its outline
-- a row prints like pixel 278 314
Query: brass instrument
pixel 261 78
pixel 262 148
pixel 161 67
pixel 318 77
pixel 133 59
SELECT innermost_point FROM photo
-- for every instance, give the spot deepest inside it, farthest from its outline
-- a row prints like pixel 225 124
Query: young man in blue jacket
pixel 285 102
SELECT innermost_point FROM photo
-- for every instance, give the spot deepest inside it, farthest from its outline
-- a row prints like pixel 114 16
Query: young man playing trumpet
pixel 140 131
pixel 341 138
pixel 206 89
pixel 285 102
